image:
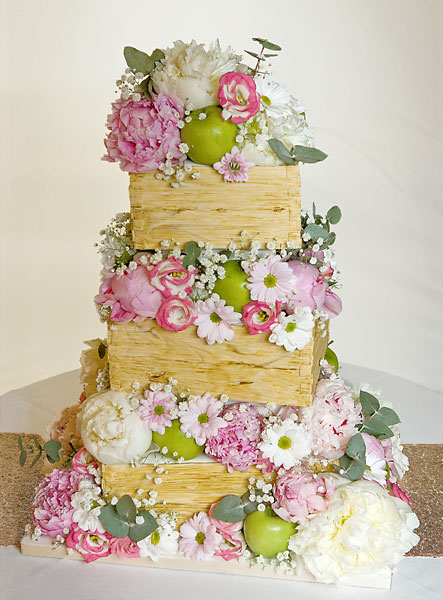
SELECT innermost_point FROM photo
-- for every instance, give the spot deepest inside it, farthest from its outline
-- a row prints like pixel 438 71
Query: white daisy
pixel 293 331
pixel 275 98
pixel 162 542
pixel 285 443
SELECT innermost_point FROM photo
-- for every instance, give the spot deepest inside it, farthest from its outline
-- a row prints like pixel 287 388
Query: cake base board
pixel 44 547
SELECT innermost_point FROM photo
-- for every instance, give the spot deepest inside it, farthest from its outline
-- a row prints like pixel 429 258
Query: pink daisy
pixel 156 410
pixel 200 418
pixel 214 321
pixel 233 166
pixel 271 281
pixel 199 538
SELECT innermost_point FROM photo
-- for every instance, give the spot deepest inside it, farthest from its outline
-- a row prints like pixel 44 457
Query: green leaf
pixel 230 509
pixel 305 154
pixel 112 523
pixel 334 215
pixel 329 239
pixel 37 458
pixel 139 532
pixel 138 61
pixel 23 455
pixel 281 151
pixel 356 448
pixel 255 55
pixel 269 55
pixel 267 44
pixel 123 258
pixel 248 506
pixel 126 509
pixel 20 443
pixel 352 469
pixel 36 442
pixel 316 231
pixel 369 403
pixel 157 55
pixel 52 449
pixel 389 416
pixel 144 86
pixel 101 350
pixel 375 426
pixel 192 252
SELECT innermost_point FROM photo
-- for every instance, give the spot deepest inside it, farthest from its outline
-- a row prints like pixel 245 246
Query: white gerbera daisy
pixel 293 331
pixel 285 443
pixel 162 542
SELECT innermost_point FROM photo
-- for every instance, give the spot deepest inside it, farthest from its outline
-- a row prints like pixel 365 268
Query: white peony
pixel 111 429
pixel 363 530
pixel 192 73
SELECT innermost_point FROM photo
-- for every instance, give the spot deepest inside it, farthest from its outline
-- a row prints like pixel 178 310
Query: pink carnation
pixel 312 290
pixel 142 133
pixel 233 545
pixel 124 547
pixel 233 166
pixel 90 544
pixel 238 97
pixel 131 296
pixel 299 494
pixel 155 410
pixel 176 314
pixel 82 460
pixel 236 444
pixel 395 490
pixel 331 419
pixel 259 316
pixel 171 277
pixel 52 509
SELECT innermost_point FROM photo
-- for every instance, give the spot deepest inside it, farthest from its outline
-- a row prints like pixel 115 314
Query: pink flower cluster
pixel 142 133
pixel 238 97
pixel 236 444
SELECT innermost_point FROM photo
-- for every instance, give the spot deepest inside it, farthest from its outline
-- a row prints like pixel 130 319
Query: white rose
pixel 363 530
pixel 111 430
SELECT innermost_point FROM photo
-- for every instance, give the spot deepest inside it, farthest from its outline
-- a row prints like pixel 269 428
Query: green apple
pixel 209 138
pixel 266 533
pixel 176 441
pixel 332 359
pixel 233 288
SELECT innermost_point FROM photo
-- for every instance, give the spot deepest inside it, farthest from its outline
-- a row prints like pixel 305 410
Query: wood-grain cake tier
pixel 249 368
pixel 187 488
pixel 209 209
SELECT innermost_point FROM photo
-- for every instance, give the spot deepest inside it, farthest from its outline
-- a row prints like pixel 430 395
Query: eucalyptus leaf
pixel 139 532
pixel 329 239
pixel 23 455
pixel 269 55
pixel 306 154
pixel 248 506
pixel 36 458
pixel 352 469
pixel 144 86
pixel 356 448
pixel 52 449
pixel 316 231
pixel 138 61
pixel 369 403
pixel 192 252
pixel 229 509
pixel 157 55
pixel 20 443
pixel 334 215
pixel 281 151
pixel 254 54
pixel 36 442
pixel 375 426
pixel 267 44
pixel 389 416
pixel 125 508
pixel 101 350
pixel 112 523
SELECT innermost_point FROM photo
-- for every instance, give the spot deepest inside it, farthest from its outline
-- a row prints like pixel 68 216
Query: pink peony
pixel 131 296
pixel 170 277
pixel 52 509
pixel 124 547
pixel 176 314
pixel 233 166
pixel 271 281
pixel 142 133
pixel 214 321
pixel 200 417
pixel 312 290
pixel 299 494
pixel 395 490
pixel 82 460
pixel 91 545
pixel 199 538
pixel 375 460
pixel 155 410
pixel 238 97
pixel 331 419
pixel 236 444
pixel 259 316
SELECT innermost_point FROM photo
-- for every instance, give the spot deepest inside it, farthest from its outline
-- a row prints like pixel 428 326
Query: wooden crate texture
pixel 249 368
pixel 187 488
pixel 210 210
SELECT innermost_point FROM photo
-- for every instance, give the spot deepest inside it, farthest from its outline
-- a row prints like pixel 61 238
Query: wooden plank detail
pixel 187 488
pixel 210 210
pixel 249 368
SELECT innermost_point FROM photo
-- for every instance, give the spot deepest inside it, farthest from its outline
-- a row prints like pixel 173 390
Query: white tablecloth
pixel 29 409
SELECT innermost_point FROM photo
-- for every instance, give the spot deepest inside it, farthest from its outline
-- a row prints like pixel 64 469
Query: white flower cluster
pixel 176 173
pixel 128 85
pixel 116 242
pixel 163 541
pixel 87 502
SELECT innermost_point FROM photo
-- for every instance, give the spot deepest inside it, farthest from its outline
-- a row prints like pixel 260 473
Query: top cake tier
pixel 208 209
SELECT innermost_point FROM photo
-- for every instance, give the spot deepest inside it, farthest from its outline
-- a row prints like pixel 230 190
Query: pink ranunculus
pixel 131 295
pixel 124 547
pixel 176 314
pixel 82 460
pixel 142 133
pixel 312 290
pixel 171 277
pixel 90 544
pixel 259 316
pixel 300 493
pixel 395 490
pixel 52 509
pixel 238 97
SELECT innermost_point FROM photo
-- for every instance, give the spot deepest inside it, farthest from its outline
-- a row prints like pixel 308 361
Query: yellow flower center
pixel 262 316
pixel 155 538
pixel 214 317
pixel 159 410
pixel 203 418
pixel 284 442
pixel 290 327
pixel 270 281
pixel 200 537
pixel 266 100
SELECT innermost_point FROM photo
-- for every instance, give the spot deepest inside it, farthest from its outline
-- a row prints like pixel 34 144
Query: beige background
pixel 369 73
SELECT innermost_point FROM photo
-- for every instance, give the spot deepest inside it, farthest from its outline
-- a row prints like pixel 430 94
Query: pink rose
pixel 52 509
pixel 238 97
pixel 170 277
pixel 299 494
pixel 91 545
pixel 142 133
pixel 259 316
pixel 176 314
pixel 82 460
pixel 124 547
pixel 131 296
pixel 312 290
pixel 395 490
